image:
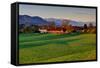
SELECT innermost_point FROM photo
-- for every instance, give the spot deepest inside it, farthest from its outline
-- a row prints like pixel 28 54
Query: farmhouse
pixel 56 31
pixel 43 30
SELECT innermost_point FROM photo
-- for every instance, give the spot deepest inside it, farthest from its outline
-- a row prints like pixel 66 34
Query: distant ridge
pixel 36 20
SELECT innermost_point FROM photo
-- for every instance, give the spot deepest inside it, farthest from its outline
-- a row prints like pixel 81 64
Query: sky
pixel 73 13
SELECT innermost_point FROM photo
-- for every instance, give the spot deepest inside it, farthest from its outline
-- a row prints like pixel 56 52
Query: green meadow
pixel 42 48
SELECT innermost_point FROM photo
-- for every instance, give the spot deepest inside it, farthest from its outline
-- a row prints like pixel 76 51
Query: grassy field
pixel 41 48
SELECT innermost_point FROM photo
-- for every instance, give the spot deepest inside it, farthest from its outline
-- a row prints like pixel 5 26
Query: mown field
pixel 41 48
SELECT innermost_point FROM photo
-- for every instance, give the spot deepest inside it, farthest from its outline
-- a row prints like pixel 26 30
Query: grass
pixel 41 48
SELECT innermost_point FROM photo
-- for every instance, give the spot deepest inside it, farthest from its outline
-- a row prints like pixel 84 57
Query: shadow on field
pixel 46 42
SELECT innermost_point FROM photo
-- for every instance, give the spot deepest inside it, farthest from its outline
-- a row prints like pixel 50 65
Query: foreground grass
pixel 37 48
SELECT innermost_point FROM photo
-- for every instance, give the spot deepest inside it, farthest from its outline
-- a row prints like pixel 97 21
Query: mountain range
pixel 36 20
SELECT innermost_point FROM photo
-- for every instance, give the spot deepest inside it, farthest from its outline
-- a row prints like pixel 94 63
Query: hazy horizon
pixel 73 13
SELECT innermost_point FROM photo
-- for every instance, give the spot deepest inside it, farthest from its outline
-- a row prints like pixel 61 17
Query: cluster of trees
pixel 89 29
pixel 26 29
pixel 66 27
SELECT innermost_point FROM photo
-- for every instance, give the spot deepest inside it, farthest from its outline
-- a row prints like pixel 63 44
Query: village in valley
pixel 64 28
